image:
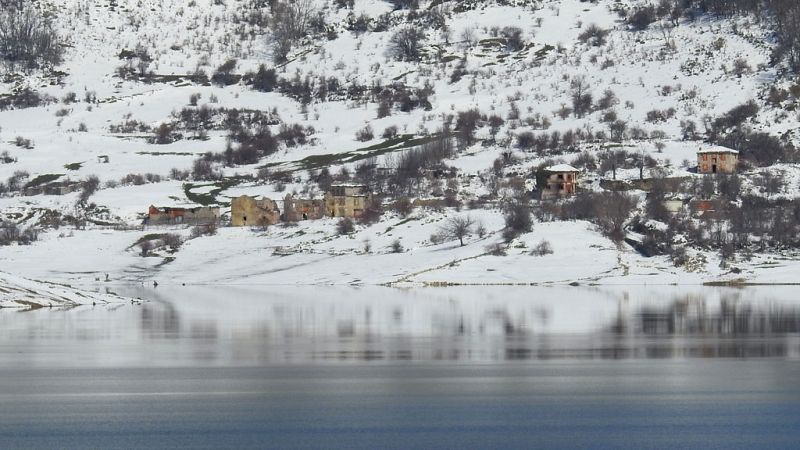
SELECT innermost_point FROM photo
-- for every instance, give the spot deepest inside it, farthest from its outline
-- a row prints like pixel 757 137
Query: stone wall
pixel 202 215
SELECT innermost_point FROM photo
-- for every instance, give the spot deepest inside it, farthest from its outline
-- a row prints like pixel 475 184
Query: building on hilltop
pixel 717 160
pixel 249 211
pixel 201 215
pixel 557 181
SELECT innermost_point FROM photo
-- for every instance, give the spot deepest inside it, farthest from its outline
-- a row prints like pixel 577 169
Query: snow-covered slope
pixel 686 72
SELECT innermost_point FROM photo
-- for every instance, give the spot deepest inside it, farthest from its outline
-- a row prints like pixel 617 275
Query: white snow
pixel 693 78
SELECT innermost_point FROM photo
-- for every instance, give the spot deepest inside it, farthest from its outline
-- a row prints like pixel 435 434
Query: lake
pixel 371 367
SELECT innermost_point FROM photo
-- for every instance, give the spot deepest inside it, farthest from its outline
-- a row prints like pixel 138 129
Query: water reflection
pixel 734 317
pixel 211 326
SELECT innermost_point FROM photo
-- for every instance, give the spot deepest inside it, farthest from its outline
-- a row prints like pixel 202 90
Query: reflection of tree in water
pixel 691 316
pixel 689 327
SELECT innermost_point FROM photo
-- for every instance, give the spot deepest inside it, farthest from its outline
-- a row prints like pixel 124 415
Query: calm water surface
pixel 325 367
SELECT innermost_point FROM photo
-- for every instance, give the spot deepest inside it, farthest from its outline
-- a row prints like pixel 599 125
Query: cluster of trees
pixel 739 223
pixel 10 233
pixel 410 165
pixel 783 15
pixel 557 142
pixel 758 148
pixel 170 242
pixel 28 39
pixel 610 211
pixel 310 87
pixel 25 98
pixel 15 182
pixel 248 146
pixel 199 120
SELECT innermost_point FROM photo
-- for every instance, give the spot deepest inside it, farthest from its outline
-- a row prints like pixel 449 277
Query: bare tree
pixel 89 188
pixel 290 22
pixel 457 227
pixel 406 44
pixel 466 124
pixel 518 217
pixel 581 97
pixel 612 210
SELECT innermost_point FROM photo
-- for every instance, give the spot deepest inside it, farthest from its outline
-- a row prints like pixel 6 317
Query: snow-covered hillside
pixel 136 104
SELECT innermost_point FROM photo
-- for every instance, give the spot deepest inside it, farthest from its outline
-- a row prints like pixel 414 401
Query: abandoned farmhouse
pixel 249 211
pixel 558 181
pixel 717 160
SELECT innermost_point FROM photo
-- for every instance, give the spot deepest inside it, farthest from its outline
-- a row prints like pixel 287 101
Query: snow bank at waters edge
pixel 17 292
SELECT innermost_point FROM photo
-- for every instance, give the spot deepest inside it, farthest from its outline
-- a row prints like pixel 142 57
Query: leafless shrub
pixel 593 35
pixel 496 249
pixel 404 206
pixel 345 226
pixel 397 246
pixel 171 240
pixel 365 134
pixel 542 248
pixel 22 142
pixel 203 230
pixel 389 132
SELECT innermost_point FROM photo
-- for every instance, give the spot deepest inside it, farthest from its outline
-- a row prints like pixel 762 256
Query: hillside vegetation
pixel 448 110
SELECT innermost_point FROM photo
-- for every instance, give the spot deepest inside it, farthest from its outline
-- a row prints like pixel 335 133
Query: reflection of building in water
pixel 161 322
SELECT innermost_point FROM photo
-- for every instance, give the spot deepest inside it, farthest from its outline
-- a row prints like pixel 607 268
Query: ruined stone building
pixel 297 209
pixel 557 181
pixel 347 200
pixel 717 160
pixel 249 211
pixel 201 215
pixel 342 200
pixel 56 188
